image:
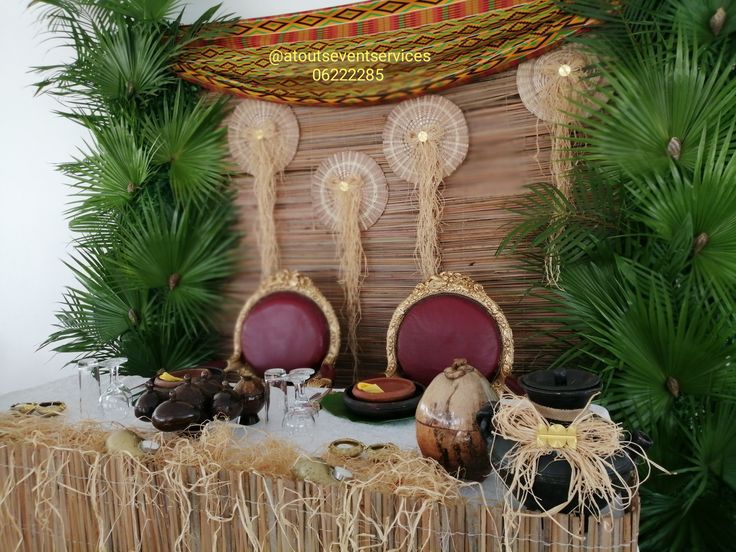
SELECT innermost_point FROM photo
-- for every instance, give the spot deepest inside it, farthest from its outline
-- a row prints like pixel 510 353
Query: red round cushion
pixel 285 330
pixel 441 328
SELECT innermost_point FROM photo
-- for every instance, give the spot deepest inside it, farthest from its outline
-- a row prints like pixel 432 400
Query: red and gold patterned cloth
pixel 374 52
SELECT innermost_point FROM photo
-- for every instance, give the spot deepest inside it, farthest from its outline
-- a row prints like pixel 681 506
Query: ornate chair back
pixel 446 317
pixel 287 323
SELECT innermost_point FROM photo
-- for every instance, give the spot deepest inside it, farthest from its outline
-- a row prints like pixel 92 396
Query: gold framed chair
pixel 446 317
pixel 287 323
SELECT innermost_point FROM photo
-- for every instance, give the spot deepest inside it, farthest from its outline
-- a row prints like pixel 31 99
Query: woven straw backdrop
pixel 509 148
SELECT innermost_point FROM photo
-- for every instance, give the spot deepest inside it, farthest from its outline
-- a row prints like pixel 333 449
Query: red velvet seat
pixel 450 316
pixel 441 328
pixel 287 323
pixel 285 330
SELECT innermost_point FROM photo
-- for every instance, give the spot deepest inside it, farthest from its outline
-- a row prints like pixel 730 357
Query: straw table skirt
pixel 68 500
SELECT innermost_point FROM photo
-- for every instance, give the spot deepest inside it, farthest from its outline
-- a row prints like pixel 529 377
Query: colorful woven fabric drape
pixel 373 52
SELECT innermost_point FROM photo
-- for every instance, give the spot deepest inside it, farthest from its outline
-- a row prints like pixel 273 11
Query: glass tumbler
pixel 275 377
pixel 298 418
pixel 90 389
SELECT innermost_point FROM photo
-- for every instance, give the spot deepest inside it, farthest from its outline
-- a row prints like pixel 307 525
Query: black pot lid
pixel 562 379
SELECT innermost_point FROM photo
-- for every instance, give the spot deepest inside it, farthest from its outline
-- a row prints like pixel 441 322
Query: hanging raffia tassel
pixel 558 87
pixel 425 140
pixel 263 139
pixel 427 161
pixel 349 194
pixel 351 257
pixel 589 445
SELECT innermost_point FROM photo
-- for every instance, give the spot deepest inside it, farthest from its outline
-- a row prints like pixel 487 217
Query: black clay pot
pixel 176 415
pixel 553 475
pixel 564 389
pixel 209 385
pixel 226 404
pixel 189 393
pixel 252 394
pixel 147 403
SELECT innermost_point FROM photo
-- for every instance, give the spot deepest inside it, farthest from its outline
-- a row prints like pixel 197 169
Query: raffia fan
pixel 349 194
pixel 425 140
pixel 263 139
pixel 559 87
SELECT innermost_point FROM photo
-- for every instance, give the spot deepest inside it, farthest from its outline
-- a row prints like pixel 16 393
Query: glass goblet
pixel 298 377
pixel 115 401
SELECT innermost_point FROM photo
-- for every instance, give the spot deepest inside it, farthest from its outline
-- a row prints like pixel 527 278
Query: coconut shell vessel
pixel 446 424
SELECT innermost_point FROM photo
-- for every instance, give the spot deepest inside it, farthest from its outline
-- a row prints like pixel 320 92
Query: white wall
pixel 34 236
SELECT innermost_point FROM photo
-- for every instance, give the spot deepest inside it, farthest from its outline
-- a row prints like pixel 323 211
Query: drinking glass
pixel 298 418
pixel 115 401
pixel 275 377
pixel 88 374
pixel 298 377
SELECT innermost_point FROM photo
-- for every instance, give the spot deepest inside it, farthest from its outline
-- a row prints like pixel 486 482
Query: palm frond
pixel 191 144
pixel 183 255
pixel 659 103
pixel 635 320
pixel 96 313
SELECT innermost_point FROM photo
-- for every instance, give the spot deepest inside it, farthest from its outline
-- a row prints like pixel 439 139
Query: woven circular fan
pixel 557 85
pixel 254 120
pixel 420 120
pixel 340 171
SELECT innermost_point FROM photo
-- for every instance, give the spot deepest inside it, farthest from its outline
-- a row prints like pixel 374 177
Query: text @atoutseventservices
pixel 344 65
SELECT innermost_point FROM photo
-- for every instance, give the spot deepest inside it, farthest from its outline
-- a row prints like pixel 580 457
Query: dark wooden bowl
pixel 383 410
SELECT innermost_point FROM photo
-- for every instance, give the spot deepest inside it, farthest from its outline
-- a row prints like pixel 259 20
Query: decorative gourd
pixel 226 404
pixel 175 415
pixel 147 403
pixel 253 394
pixel 446 420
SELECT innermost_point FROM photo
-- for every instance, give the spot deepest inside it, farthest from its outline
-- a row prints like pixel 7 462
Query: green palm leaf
pixel 661 93
pixel 181 254
pixel 654 341
pixel 700 211
pixel 191 143
pixel 97 312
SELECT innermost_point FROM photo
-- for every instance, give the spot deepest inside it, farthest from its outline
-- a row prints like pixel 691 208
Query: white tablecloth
pixel 327 427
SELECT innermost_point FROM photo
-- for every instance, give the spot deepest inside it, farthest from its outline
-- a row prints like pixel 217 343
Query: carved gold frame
pixel 291 281
pixel 456 284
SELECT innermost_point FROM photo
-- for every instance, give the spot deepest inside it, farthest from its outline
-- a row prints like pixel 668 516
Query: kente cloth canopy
pixel 373 52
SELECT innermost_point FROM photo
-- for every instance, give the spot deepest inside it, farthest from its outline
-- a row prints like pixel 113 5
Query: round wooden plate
pixel 394 389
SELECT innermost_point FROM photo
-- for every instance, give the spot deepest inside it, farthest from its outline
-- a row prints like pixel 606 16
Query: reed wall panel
pixel 509 147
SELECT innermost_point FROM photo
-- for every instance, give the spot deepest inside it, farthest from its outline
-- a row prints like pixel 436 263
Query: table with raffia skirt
pixel 55 496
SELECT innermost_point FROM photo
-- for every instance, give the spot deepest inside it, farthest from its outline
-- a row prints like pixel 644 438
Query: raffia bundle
pixel 350 193
pixel 352 261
